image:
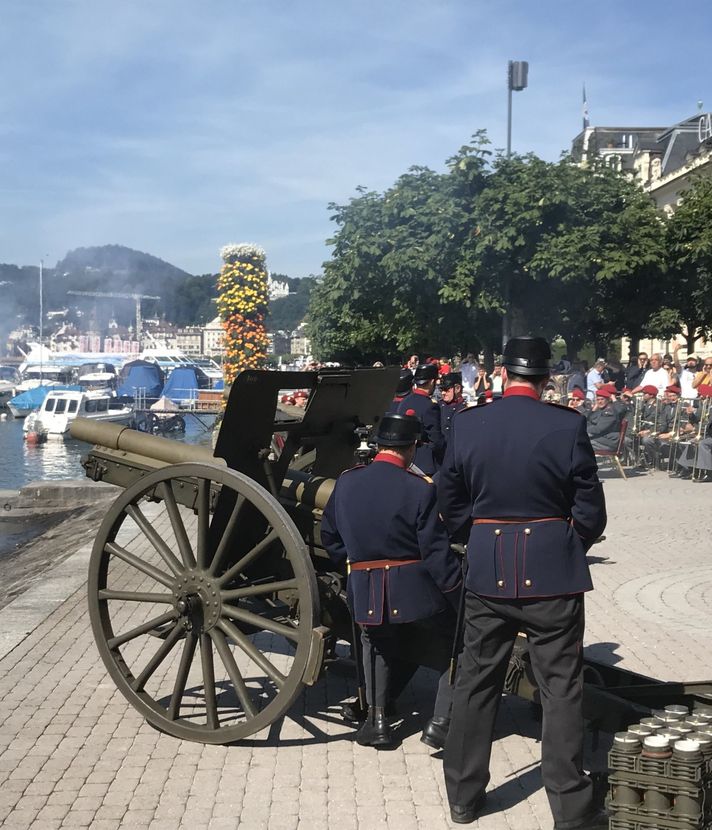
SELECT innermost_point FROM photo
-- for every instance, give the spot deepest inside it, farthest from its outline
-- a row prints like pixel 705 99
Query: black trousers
pixel 554 628
pixel 387 673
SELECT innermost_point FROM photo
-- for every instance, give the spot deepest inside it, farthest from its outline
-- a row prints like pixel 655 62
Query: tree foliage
pixel 432 264
pixel 686 302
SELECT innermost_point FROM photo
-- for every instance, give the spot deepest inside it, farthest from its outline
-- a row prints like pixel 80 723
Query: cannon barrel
pixel 117 437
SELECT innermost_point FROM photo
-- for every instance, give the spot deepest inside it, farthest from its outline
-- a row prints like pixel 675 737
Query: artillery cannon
pixel 211 598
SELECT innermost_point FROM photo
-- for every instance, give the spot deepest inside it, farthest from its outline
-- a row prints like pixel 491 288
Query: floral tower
pixel 242 302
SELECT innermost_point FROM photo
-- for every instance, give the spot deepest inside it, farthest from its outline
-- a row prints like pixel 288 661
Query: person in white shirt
pixel 469 368
pixel 655 376
pixel 594 379
pixel 687 374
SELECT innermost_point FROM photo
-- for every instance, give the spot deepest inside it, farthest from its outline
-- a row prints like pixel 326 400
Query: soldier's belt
pixel 381 564
pixel 517 521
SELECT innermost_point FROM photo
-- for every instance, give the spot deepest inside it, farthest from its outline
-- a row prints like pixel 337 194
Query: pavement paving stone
pixel 73 753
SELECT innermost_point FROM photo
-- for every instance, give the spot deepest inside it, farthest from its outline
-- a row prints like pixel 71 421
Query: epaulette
pixel 563 406
pixel 421 476
pixel 351 469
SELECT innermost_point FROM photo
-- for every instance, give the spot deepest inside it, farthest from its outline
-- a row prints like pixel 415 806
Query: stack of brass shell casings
pixel 660 773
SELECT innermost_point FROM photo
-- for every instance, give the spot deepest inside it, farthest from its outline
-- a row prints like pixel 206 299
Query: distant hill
pixel 128 266
pixel 186 299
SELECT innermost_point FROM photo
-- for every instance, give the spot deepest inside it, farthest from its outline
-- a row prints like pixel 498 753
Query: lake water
pixel 21 463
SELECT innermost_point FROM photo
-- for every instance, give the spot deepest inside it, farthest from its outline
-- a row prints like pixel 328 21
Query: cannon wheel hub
pixel 197 601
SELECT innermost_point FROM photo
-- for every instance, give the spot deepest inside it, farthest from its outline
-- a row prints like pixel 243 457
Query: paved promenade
pixel 73 753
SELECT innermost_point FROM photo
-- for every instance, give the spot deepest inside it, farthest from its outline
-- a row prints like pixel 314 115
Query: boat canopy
pixel 184 382
pixel 33 398
pixel 143 376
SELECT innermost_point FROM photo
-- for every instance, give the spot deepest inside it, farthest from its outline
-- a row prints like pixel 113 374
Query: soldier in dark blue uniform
pixel 383 521
pixel 420 402
pixel 451 400
pixel 404 388
pixel 519 477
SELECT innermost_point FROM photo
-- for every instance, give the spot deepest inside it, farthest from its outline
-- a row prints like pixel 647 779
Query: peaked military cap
pixel 426 371
pixel 527 356
pixel 449 380
pixel 398 430
pixel 405 381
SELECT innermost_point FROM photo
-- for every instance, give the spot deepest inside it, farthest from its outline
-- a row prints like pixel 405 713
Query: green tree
pixel 686 302
pixel 566 249
pixel 380 295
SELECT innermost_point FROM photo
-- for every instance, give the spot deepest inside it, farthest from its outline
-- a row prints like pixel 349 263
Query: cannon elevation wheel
pixel 203 603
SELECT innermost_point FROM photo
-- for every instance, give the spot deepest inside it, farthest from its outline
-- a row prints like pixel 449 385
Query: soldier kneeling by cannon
pixel 382 520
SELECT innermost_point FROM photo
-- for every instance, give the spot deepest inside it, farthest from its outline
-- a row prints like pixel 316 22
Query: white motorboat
pixel 60 408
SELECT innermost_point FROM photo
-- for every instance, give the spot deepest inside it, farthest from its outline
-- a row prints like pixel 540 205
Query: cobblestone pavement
pixel 74 753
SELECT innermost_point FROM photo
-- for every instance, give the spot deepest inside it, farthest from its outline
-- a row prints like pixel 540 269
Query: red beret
pixel 704 390
pixel 300 393
pixel 611 387
pixel 287 399
pixel 578 394
pixel 603 392
pixel 673 388
pixel 649 390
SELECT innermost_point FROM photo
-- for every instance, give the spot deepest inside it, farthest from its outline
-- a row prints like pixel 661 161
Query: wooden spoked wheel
pixel 203 602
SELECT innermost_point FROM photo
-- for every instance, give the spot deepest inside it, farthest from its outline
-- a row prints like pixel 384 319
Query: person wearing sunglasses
pixel 704 378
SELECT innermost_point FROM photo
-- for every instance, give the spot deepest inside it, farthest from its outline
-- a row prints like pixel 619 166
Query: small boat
pixel 60 408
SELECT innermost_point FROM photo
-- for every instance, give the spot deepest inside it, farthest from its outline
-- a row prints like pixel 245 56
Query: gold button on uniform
pixel 395 612
pixel 527 583
pixel 500 583
pixel 370 612
pixel 497 532
pixel 527 531
pixel 387 568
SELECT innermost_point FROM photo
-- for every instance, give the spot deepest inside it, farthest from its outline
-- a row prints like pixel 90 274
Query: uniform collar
pixel 417 391
pixel 522 392
pixel 390 459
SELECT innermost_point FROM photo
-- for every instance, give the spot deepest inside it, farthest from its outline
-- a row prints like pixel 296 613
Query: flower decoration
pixel 243 295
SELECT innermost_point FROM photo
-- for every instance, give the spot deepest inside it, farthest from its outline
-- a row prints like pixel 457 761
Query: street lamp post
pixel 517 80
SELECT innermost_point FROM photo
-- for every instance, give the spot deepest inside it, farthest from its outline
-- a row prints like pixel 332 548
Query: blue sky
pixel 175 127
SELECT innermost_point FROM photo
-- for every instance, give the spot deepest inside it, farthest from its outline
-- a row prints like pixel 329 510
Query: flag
pixel 585 109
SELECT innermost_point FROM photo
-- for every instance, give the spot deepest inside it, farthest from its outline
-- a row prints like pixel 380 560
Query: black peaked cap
pixel 527 356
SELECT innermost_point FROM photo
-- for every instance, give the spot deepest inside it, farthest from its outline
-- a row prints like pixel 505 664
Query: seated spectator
pixel 636 370
pixel 687 375
pixel 604 422
pixel 656 445
pixel 577 400
pixel 595 379
pixel 696 456
pixel 704 377
pixel 655 376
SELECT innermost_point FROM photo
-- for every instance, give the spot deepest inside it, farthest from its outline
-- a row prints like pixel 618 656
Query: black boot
pixel 435 732
pixel 375 731
pixel 352 711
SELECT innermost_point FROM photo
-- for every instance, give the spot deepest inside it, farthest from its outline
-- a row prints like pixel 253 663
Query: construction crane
pixel 111 295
